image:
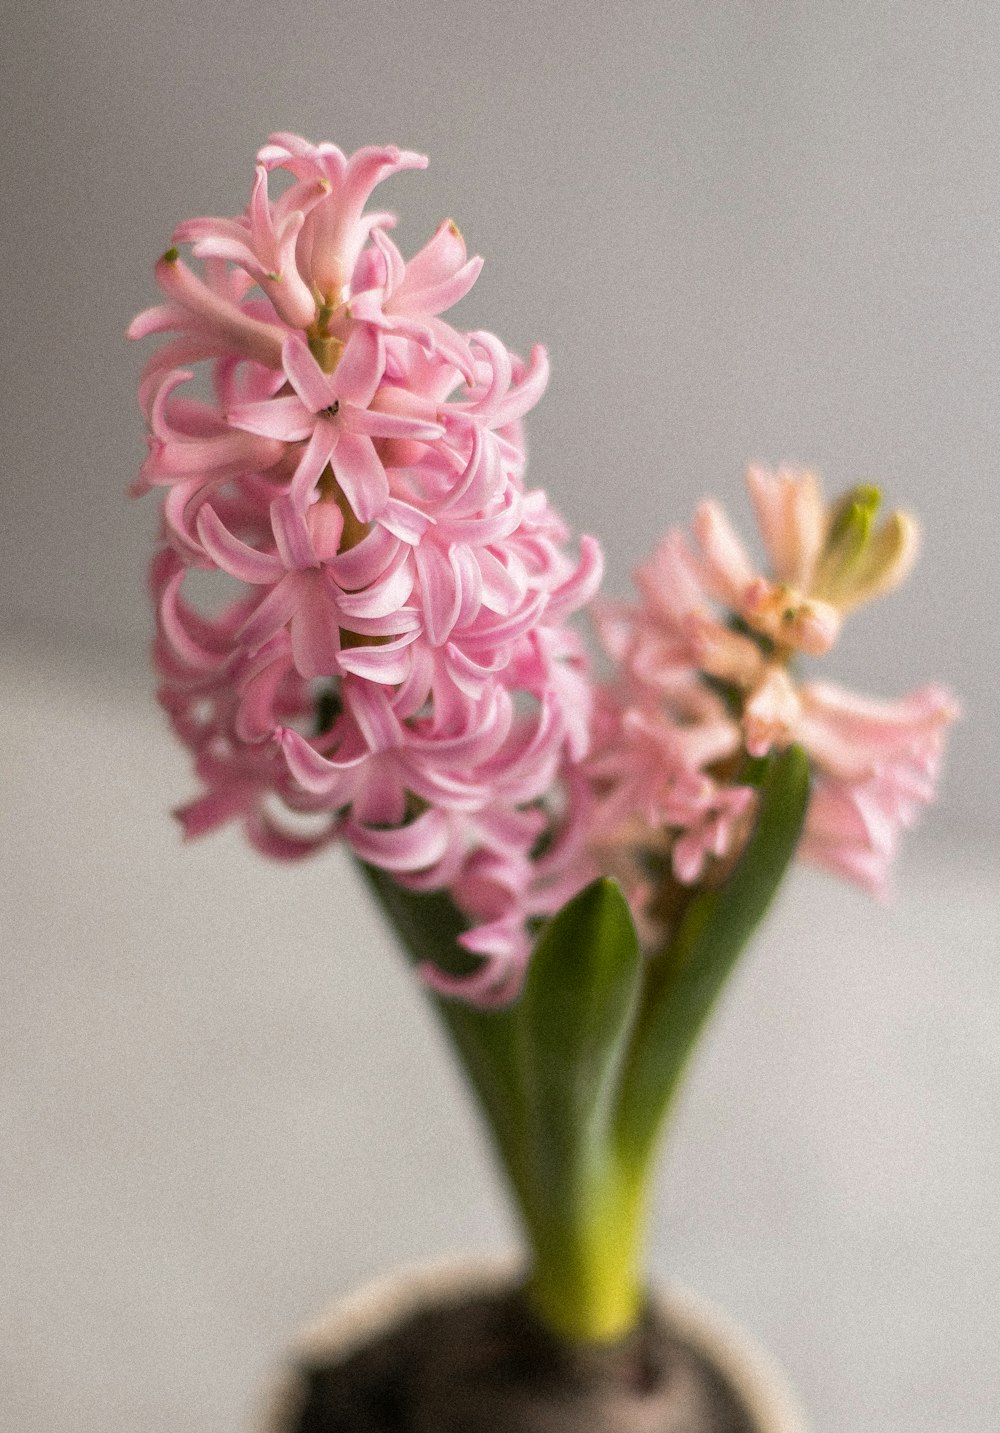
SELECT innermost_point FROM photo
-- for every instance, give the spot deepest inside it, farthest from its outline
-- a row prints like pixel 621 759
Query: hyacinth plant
pixel 574 863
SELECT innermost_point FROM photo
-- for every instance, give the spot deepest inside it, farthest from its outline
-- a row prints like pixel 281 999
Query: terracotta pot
pixel 360 1317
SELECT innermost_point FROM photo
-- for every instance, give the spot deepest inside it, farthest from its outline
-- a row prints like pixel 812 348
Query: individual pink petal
pixel 468 568
pixel 378 424
pixel 405 521
pixel 392 266
pixel 256 719
pixel 260 341
pixel 359 471
pixel 409 848
pixel 176 626
pixel 577 590
pixel 471 677
pixel 315 773
pixel 670 582
pixel 482 477
pixel 440 596
pixel 727 570
pixel 267 837
pixel 315 628
pixel 272 612
pixel 214 809
pixel 503 586
pixel 439 274
pixel 771 713
pixel 792 521
pixel 490 635
pixel 388 663
pixel 523 396
pixel 284 418
pixel 381 598
pixel 362 363
pixel 372 711
pixel 319 451
pixel 361 565
pixel 504 945
pixel 314 387
pixel 292 536
pixel 234 556
pixel 850 736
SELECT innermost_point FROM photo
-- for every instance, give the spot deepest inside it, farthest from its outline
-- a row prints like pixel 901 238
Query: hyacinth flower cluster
pixel 705 684
pixel 391 666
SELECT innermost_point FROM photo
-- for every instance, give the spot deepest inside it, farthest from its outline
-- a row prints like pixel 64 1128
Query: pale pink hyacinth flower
pixel 705 679
pixel 392 667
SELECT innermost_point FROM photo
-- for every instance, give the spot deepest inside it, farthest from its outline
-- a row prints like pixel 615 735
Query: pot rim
pixel 350 1321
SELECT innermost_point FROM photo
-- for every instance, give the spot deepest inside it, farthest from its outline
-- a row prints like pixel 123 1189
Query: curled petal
pixel 233 556
pixel 364 564
pixel 319 775
pixel 577 590
pixel 505 949
pixel 387 663
pixel 407 848
pixel 438 275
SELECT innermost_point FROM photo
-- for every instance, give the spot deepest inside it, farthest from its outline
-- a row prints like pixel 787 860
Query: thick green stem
pixel 587 1283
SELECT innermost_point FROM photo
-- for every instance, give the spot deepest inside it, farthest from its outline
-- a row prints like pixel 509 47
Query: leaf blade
pixel 579 993
pixel 684 980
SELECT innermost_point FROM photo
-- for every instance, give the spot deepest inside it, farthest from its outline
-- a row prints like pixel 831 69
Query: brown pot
pixel 364 1316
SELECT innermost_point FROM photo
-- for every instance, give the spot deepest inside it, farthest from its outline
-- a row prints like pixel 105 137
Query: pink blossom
pixel 391 664
pixel 878 764
pixel 703 682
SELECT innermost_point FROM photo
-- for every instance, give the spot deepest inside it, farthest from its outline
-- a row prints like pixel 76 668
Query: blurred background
pixel 746 232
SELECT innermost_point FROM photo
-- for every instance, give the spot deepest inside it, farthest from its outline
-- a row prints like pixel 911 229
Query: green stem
pixel 587 1284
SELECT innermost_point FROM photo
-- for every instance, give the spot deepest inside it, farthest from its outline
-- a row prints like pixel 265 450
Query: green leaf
pixel 581 989
pixel 576 1012
pixel 683 981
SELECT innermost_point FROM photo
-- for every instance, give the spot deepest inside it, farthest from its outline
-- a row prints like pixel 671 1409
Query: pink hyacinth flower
pixel 393 664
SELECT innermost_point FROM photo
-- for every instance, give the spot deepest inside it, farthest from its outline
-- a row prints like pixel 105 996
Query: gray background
pixel 761 231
